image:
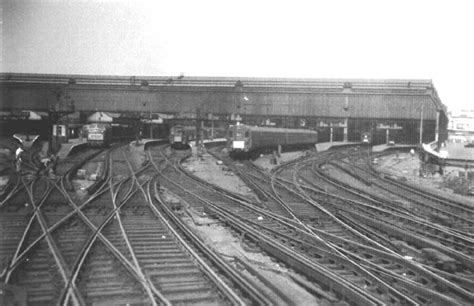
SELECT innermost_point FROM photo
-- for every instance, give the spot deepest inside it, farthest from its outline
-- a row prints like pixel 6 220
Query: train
pixel 97 134
pixel 366 137
pixel 249 141
pixel 103 134
pixel 180 136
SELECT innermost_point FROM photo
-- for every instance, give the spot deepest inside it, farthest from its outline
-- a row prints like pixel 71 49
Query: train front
pixel 176 134
pixel 238 139
pixel 179 137
pixel 97 134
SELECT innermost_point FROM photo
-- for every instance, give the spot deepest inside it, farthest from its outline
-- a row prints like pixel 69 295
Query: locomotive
pixel 244 140
pixel 103 134
pixel 366 138
pixel 181 136
pixel 97 134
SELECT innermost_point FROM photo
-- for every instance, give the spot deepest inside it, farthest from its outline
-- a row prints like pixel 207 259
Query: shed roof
pixel 316 85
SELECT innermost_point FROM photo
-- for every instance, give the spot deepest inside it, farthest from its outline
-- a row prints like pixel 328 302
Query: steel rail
pixel 328 244
pixel 460 256
pixel 16 256
pixel 15 189
pixel 85 251
pixel 304 264
pixel 419 193
pixel 127 241
pixel 88 245
pixel 450 284
pixel 60 262
pixel 206 268
pixel 439 297
pixel 384 209
pixel 120 257
pixel 256 295
pixel 455 287
pixel 460 291
pixel 345 187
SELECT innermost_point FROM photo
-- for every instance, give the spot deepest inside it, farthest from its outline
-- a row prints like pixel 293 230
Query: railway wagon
pixel 252 140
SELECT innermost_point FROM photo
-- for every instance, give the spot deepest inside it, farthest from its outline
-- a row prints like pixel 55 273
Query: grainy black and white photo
pixel 236 153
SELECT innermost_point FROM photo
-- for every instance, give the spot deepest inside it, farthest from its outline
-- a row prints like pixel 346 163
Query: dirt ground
pixel 408 166
pixel 265 161
pixel 214 172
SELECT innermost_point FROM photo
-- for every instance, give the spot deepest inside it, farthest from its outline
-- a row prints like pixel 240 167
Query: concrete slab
pixel 459 151
pixel 383 147
pixel 324 146
pixel 66 148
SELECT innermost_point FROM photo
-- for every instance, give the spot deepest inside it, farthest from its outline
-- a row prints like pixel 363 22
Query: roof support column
pixel 437 126
pixel 346 124
pixel 331 131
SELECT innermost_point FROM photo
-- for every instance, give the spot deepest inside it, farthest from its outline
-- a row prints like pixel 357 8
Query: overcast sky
pixel 303 39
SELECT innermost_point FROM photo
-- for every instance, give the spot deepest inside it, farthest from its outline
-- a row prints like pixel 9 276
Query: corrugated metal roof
pixel 355 84
pixel 413 87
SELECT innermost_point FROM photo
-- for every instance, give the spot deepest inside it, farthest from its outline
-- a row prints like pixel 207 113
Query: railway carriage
pixel 252 140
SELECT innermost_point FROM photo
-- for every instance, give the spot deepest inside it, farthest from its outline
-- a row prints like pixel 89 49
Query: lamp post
pixel 421 123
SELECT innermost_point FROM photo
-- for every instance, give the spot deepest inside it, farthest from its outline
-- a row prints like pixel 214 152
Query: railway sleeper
pixel 186 286
pixel 102 292
pixel 166 260
pixel 161 273
pixel 169 266
pixel 130 300
pixel 154 244
pixel 42 298
pixel 147 234
pixel 155 247
pixel 177 281
pixel 105 276
pixel 199 298
pixel 159 254
pixel 162 257
pixel 440 260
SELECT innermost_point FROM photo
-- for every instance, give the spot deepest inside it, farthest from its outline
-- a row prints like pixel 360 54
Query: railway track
pixel 267 226
pixel 123 242
pixel 456 216
pixel 114 247
pixel 455 281
pixel 396 226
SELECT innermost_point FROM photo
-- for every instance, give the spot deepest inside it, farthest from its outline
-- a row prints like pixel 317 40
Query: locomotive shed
pixel 392 110
pixel 142 223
